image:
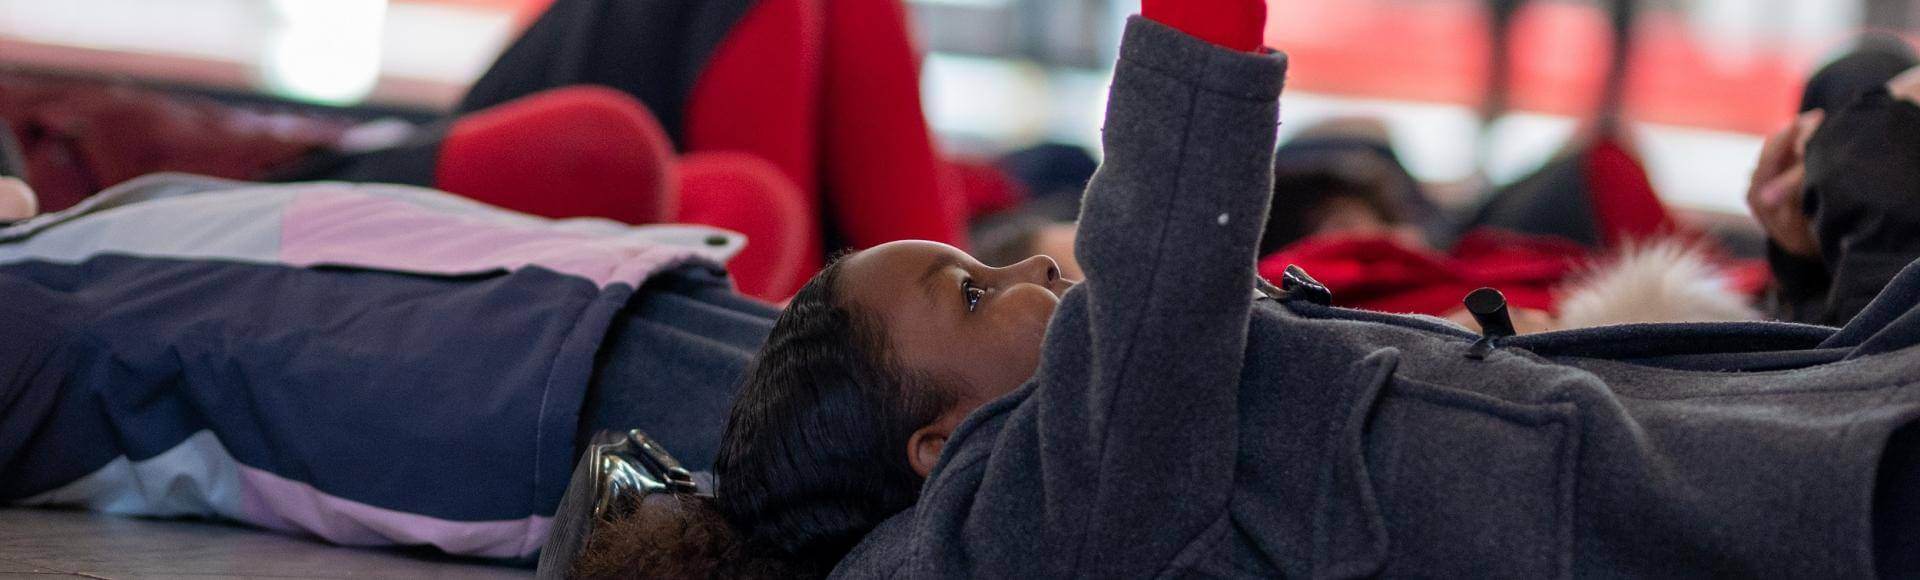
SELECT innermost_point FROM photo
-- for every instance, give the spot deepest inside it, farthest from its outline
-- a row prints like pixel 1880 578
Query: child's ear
pixel 924 447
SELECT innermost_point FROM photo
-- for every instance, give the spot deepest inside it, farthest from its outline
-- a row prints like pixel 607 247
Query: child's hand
pixel 17 201
pixel 1235 24
pixel 1906 86
pixel 1777 195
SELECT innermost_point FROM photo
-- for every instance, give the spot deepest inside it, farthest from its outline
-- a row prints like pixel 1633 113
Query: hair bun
pixel 666 535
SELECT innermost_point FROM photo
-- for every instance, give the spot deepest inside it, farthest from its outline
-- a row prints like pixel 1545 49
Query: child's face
pixel 949 315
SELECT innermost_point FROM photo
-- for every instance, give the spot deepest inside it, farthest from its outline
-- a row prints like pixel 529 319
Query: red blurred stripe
pixel 1436 51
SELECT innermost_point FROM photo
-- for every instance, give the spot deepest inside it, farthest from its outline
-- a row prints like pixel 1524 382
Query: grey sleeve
pixel 1171 222
pixel 1118 458
pixel 1169 235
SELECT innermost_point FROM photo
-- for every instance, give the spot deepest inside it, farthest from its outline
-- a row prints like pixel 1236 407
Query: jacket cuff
pixel 1244 75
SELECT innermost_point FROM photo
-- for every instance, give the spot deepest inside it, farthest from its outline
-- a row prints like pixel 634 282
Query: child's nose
pixel 1039 269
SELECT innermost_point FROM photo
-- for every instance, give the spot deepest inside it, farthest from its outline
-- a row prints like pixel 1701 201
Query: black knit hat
pixel 1874 60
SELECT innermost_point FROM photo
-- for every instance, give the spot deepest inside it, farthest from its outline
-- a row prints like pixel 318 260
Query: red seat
pixel 595 152
pixel 744 193
pixel 568 152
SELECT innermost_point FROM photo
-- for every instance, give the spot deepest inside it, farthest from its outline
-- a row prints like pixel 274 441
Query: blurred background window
pixel 1706 77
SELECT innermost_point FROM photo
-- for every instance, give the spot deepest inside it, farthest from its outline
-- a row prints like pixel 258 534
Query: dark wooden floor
pixel 39 544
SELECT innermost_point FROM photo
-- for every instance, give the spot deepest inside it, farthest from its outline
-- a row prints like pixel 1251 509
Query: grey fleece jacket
pixel 1176 428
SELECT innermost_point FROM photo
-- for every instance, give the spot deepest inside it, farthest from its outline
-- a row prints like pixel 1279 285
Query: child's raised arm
pixel 1181 199
pixel 1169 234
pixel 1120 458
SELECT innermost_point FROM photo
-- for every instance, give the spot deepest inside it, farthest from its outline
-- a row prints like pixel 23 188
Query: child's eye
pixel 971 293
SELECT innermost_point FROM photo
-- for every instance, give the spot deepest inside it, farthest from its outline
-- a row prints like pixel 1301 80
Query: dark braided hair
pixel 815 451
pixel 814 456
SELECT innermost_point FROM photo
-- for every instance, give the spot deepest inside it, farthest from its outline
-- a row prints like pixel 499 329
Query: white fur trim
pixel 1660 281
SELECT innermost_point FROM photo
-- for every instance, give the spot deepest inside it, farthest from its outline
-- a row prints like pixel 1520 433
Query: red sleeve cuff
pixel 1234 24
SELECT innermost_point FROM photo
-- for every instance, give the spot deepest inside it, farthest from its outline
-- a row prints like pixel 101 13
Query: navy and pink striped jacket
pixel 372 365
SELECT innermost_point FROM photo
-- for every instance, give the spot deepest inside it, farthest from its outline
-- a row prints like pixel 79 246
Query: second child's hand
pixel 1776 195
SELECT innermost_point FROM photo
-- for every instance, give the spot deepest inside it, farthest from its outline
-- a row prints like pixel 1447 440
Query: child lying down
pixel 916 414
pixel 370 365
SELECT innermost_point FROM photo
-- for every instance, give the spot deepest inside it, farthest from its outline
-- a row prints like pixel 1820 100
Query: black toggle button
pixel 1489 309
pixel 1296 284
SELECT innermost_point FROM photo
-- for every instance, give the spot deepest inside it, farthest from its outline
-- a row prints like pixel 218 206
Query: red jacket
pixel 1382 274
